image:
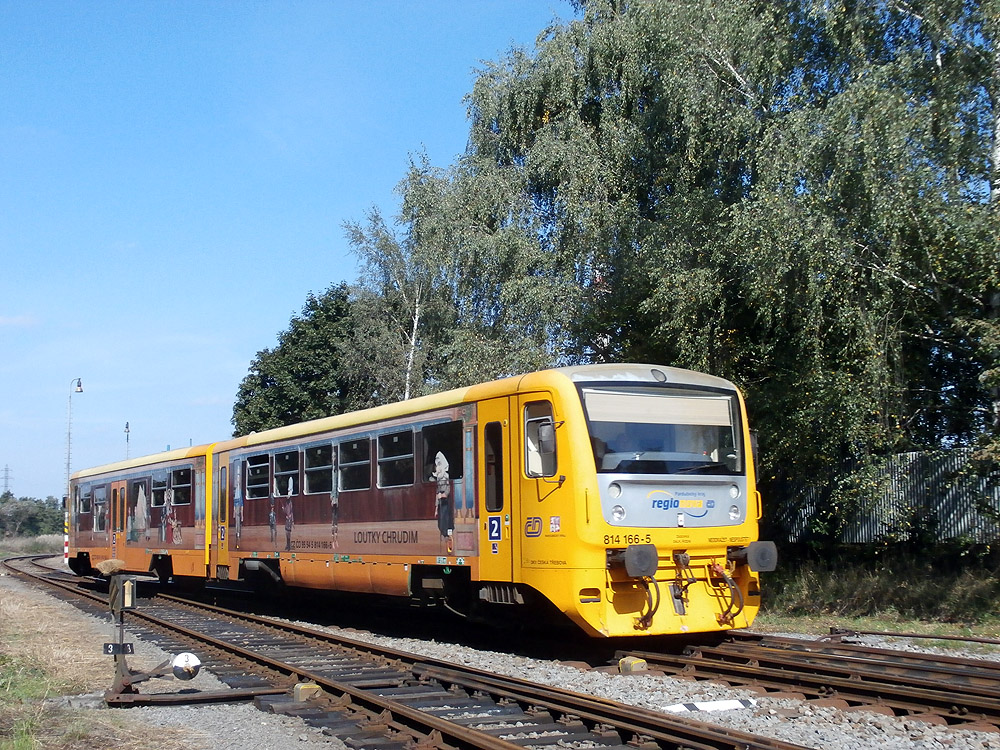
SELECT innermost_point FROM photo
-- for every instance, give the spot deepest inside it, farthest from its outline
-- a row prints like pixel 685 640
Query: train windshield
pixel 664 431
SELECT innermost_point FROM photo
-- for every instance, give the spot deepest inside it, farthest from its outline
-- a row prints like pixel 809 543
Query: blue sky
pixel 174 177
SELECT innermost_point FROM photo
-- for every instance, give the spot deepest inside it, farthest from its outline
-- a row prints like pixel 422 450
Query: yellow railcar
pixel 622 496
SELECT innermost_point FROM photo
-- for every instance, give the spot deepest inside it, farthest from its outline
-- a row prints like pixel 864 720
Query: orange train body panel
pixel 621 496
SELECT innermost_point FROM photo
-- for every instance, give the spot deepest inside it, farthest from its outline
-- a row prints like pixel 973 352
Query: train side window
pixel 159 491
pixel 286 472
pixel 493 449
pixel 138 491
pixel 100 507
pixel 319 469
pixel 223 486
pixel 84 498
pixel 138 503
pixel 447 439
pixel 537 462
pixel 258 482
pixel 180 484
pixel 355 466
pixel 395 459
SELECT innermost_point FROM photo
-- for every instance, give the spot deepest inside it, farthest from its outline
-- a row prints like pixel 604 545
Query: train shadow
pixel 537 634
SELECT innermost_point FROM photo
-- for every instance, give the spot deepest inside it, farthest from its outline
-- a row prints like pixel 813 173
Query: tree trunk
pixel 411 355
pixel 992 28
pixel 994 92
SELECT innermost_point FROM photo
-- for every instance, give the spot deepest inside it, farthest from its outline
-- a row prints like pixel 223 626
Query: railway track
pixel 370 696
pixel 932 688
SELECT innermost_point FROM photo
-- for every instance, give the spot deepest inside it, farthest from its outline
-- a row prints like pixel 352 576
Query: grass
pixel 13 546
pixel 22 686
pixel 895 591
pixel 47 651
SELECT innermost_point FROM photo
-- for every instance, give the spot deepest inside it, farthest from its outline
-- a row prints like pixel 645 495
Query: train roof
pixel 576 375
pixel 163 457
pixel 641 373
pixel 602 373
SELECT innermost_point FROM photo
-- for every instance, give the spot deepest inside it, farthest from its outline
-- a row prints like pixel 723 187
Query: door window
pixel 493 448
pixel 539 459
pixel 223 479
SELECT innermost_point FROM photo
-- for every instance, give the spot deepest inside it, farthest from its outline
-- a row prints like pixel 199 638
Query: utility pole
pixel 6 479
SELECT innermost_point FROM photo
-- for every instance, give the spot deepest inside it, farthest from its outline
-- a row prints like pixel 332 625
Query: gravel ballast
pixel 238 726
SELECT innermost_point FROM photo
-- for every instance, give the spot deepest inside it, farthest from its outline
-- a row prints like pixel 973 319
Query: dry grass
pixel 47 649
pixel 30 545
pixel 43 633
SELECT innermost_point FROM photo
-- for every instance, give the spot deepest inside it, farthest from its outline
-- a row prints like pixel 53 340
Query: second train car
pixel 622 496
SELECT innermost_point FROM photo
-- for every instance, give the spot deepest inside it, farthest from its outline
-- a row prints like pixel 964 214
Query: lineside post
pixel 121 597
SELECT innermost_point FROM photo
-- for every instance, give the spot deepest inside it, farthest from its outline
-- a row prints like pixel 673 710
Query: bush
pixel 869 582
pixel 28 516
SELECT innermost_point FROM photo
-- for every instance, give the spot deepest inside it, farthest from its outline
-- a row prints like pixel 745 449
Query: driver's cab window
pixel 539 440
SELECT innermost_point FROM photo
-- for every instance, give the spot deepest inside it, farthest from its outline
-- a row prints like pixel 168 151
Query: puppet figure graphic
pixel 164 538
pixel 289 514
pixel 142 514
pixel 443 509
pixel 168 519
pixel 175 526
pixel 272 522
pixel 334 508
pixel 272 515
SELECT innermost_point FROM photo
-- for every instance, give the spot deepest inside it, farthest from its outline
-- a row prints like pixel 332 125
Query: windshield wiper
pixel 712 468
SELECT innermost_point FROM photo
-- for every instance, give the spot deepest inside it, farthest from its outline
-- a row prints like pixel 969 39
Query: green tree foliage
pixel 303 377
pixel 800 196
pixel 28 516
pixel 794 195
pixel 462 292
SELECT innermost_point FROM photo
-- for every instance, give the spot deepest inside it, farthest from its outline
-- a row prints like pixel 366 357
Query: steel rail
pixel 600 717
pixel 763 669
pixel 425 729
pixel 642 723
pixel 958 672
pixel 861 667
pixel 839 633
pixel 403 718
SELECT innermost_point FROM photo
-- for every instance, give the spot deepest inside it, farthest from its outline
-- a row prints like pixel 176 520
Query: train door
pixel 541 489
pixel 219 558
pixel 118 519
pixel 497 522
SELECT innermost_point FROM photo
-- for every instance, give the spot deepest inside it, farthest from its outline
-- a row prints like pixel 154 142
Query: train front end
pixel 669 537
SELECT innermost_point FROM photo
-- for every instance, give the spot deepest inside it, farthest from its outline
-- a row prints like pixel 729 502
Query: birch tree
pixel 795 195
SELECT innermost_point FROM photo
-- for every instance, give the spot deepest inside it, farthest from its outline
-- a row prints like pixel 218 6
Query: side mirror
pixel 546 439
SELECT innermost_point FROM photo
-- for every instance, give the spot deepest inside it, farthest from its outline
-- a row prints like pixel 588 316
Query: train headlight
pixel 618 513
pixel 615 490
pixel 734 492
pixel 734 512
